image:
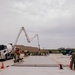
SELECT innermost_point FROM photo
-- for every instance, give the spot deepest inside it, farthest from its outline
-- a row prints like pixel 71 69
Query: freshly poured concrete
pixel 41 65
pixel 38 61
pixel 37 71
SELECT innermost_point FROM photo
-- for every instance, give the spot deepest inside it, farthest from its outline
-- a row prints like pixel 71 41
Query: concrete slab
pixel 41 65
pixel 37 60
pixel 60 59
pixel 52 59
pixel 37 71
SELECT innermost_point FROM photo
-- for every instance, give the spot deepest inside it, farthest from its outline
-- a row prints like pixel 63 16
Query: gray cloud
pixel 53 20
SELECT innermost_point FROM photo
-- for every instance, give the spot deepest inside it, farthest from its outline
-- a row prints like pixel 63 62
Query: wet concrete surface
pixel 39 65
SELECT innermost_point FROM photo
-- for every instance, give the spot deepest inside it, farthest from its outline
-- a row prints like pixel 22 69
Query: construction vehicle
pixel 66 51
pixel 27 37
pixel 6 51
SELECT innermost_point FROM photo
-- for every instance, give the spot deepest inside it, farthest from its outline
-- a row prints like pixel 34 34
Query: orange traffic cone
pixel 2 67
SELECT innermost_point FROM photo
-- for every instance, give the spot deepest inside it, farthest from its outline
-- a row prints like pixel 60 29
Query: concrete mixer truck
pixel 6 51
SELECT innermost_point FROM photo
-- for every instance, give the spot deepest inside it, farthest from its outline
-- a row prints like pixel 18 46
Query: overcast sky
pixel 52 20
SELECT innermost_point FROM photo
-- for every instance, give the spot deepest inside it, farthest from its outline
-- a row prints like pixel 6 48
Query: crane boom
pixel 36 35
pixel 27 37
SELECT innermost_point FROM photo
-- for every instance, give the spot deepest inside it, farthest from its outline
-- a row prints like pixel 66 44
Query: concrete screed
pixel 41 65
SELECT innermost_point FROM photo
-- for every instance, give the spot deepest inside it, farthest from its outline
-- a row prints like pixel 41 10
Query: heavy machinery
pixel 66 51
pixel 27 37
pixel 6 51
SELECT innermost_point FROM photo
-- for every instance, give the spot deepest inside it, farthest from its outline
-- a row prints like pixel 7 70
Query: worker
pixel 17 54
pixel 73 60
